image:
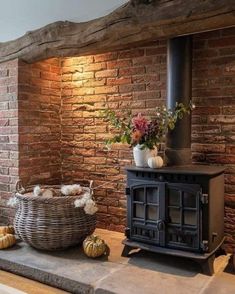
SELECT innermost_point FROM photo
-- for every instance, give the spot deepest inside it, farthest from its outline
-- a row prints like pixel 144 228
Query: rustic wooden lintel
pixel 134 23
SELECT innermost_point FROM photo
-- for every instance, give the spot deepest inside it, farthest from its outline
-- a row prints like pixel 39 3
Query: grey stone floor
pixel 143 273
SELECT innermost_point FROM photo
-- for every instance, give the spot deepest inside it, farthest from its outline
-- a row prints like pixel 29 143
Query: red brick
pixel 105 57
pixel 95 160
pixel 145 79
pixel 205 53
pixel 119 63
pixel 83 91
pixel 136 52
pixel 72 69
pixel 106 73
pixel 4 73
pixel 147 60
pixel 95 66
pixel 208 148
pixel 146 95
pixel 155 51
pixel 212 110
pixel 117 211
pixel 83 76
pixel 131 71
pixel 118 81
pixel 131 88
pixel 222 42
pixel 106 90
pixel 119 97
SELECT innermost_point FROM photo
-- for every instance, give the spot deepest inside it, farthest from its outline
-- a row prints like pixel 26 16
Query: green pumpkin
pixel 94 246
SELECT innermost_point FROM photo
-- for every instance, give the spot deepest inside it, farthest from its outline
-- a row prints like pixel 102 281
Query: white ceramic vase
pixel 141 156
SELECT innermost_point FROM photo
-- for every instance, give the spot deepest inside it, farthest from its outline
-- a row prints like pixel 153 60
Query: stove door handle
pixel 161 225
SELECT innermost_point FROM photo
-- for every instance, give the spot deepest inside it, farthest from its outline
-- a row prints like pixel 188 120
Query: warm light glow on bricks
pixel 53 106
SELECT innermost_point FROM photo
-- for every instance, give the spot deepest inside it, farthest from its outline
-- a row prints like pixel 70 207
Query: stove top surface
pixel 192 169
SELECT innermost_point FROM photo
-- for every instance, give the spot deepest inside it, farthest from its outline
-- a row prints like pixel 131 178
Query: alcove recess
pixel 53 82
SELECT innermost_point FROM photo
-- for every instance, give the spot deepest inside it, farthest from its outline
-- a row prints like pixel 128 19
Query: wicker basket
pixel 51 223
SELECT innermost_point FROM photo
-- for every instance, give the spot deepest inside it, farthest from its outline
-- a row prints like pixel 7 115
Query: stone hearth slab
pixel 144 272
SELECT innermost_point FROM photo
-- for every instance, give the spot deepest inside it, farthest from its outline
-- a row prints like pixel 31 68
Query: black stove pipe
pixel 179 89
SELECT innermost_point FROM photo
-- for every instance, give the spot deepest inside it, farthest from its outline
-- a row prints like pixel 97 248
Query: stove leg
pixel 126 250
pixel 208 266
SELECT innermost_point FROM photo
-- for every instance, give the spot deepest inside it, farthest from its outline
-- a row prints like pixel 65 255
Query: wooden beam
pixel 134 23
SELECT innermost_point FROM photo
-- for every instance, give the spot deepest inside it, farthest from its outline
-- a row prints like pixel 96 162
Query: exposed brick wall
pixel 39 122
pixel 71 91
pixel 213 128
pixel 136 79
pixel 8 136
pixel 130 79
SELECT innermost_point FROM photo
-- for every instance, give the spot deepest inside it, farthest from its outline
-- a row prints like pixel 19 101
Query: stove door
pixel 147 213
pixel 183 216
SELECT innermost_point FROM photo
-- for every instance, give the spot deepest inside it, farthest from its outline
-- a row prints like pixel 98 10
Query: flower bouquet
pixel 144 133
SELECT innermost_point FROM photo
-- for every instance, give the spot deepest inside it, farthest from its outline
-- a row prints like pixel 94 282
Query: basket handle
pixel 19 187
pixel 91 182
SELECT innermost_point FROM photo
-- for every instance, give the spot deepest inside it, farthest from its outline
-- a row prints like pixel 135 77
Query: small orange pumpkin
pixel 7 240
pixel 7 230
pixel 94 246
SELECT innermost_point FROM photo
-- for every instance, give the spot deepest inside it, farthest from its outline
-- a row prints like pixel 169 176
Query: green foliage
pixel 130 129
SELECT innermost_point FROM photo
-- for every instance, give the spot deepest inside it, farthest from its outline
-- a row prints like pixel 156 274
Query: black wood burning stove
pixel 179 209
pixel 176 210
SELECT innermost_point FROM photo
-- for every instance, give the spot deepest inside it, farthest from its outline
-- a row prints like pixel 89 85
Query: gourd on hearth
pixel 94 246
pixel 7 240
pixel 7 230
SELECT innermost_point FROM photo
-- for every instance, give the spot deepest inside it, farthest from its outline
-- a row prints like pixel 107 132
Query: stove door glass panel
pixel 139 211
pixel 152 195
pixel 183 211
pixel 152 213
pixel 174 215
pixel 146 213
pixel 139 195
pixel 189 200
pixel 174 197
pixel 190 218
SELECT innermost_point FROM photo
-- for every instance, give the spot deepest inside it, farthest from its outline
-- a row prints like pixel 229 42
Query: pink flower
pixel 140 123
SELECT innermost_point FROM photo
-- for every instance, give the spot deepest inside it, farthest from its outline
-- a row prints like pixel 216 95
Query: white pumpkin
pixel 155 162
